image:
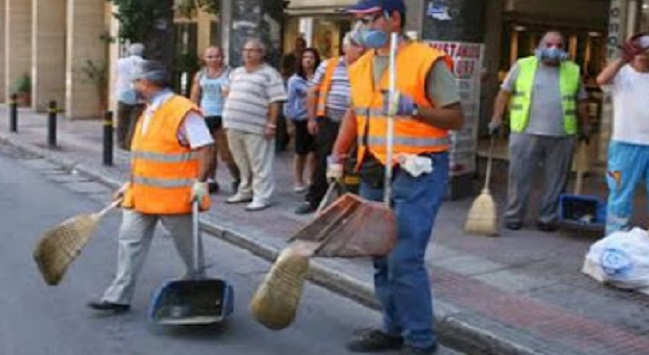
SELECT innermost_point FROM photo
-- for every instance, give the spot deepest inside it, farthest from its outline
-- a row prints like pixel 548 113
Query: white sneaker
pixel 238 198
pixel 300 188
pixel 257 206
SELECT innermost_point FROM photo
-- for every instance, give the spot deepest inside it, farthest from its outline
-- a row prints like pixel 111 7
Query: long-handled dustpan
pixel 195 301
pixel 349 227
pixel 581 211
pixel 482 217
pixel 60 246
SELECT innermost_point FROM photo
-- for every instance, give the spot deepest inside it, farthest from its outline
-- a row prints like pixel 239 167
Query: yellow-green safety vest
pixel 569 78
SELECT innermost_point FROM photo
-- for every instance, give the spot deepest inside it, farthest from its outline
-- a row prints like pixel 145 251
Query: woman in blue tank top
pixel 207 92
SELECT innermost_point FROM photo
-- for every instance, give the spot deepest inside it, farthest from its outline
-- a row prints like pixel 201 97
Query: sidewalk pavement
pixel 520 293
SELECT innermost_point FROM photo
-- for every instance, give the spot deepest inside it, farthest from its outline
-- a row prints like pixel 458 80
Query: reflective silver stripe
pixel 365 111
pixel 518 94
pixel 571 112
pixel 516 107
pixel 163 183
pixel 568 97
pixel 413 142
pixel 165 158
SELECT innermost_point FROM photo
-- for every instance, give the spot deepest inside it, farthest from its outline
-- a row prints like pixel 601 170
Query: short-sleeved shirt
pixel 127 68
pixel 250 95
pixel 546 110
pixel 630 91
pixel 338 97
pixel 295 108
pixel 193 132
pixel 441 85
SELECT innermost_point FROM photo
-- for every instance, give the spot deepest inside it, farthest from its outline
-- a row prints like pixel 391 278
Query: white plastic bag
pixel 621 259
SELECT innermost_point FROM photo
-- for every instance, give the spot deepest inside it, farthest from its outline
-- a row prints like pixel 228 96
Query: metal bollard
pixel 108 138
pixel 13 113
pixel 52 111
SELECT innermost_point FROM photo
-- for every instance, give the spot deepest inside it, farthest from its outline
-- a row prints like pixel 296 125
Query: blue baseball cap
pixel 368 6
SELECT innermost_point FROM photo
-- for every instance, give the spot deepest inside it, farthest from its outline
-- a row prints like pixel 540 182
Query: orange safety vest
pixel 413 63
pixel 162 170
pixel 325 87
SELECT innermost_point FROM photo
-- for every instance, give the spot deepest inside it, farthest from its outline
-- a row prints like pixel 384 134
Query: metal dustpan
pixel 195 301
pixel 581 211
pixel 352 226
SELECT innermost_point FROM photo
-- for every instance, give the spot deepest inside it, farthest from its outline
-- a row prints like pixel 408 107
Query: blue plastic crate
pixel 582 210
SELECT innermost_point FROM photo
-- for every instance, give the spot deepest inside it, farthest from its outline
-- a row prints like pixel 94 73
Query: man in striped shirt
pixel 254 95
pixel 324 123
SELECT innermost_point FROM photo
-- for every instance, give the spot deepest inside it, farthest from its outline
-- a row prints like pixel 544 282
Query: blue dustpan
pixel 196 301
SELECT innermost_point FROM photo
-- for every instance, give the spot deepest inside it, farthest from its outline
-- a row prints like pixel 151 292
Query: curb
pixel 453 328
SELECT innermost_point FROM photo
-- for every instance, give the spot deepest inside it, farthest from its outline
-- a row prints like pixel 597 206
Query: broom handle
pixel 387 192
pixel 489 158
pixel 197 259
pixel 110 207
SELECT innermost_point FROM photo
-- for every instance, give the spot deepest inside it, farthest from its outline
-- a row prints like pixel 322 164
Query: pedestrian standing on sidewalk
pixel 627 80
pixel 546 99
pixel 252 105
pixel 427 105
pixel 207 92
pixel 295 109
pixel 129 105
pixel 169 168
pixel 328 100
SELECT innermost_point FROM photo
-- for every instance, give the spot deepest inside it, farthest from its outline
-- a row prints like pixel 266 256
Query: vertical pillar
pixel 48 57
pixel 458 27
pixel 3 51
pixel 618 31
pixel 18 38
pixel 85 27
pixel 253 18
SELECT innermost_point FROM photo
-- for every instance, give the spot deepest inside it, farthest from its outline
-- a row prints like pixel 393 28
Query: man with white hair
pixel 129 106
pixel 548 108
pixel 328 100
pixel 253 102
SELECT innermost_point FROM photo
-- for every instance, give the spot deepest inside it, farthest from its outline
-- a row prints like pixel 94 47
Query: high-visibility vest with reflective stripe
pixel 413 63
pixel 162 170
pixel 521 101
pixel 325 87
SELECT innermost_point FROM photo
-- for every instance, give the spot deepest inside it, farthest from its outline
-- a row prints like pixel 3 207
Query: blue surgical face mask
pixel 373 38
pixel 552 54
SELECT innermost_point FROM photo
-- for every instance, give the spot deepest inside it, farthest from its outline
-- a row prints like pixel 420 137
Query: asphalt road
pixel 37 319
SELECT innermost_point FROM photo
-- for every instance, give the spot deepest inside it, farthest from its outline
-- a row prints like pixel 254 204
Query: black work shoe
pixel 546 227
pixel 213 187
pixel 106 306
pixel 304 208
pixel 374 340
pixel 410 350
pixel 514 226
pixel 235 186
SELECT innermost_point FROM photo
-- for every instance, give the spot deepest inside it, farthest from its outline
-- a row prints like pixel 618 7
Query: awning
pixel 323 7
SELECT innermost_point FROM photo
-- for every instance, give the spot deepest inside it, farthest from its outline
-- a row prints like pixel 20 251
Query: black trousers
pixel 127 116
pixel 324 142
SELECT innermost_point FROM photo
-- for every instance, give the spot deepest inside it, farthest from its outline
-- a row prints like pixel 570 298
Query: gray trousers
pixel 135 236
pixel 526 154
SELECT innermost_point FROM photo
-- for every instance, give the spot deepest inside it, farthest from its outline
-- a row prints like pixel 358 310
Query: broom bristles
pixel 59 246
pixel 275 302
pixel 482 217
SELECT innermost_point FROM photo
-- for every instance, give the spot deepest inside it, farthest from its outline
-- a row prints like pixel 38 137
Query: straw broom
pixel 60 245
pixel 482 215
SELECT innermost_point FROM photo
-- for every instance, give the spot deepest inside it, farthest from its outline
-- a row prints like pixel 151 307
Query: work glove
pixel 415 165
pixel 494 127
pixel 119 194
pixel 402 105
pixel 584 133
pixel 199 190
pixel 335 168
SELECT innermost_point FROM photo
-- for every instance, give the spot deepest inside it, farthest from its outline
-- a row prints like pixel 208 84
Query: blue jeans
pixel 400 280
pixel 628 165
